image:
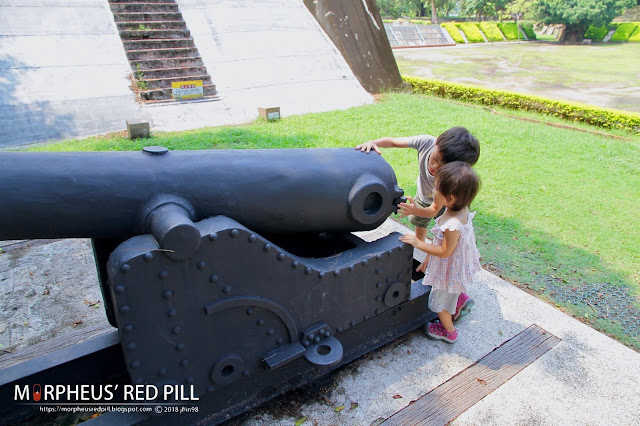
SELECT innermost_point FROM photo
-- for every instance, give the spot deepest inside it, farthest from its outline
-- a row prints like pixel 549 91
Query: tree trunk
pixel 434 12
pixel 421 11
pixel 573 34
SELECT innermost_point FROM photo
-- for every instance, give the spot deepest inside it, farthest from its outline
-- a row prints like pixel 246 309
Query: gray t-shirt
pixel 424 145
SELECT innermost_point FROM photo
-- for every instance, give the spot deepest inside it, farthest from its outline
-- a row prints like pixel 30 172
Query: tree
pixel 578 15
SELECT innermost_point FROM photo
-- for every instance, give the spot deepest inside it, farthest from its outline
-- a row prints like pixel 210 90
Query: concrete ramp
pixel 64 72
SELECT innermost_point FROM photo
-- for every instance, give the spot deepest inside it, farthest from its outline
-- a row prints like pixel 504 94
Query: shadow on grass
pixel 568 277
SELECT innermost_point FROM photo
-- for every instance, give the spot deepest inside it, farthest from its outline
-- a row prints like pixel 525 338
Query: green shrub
pixel 491 31
pixel 509 29
pixel 527 28
pixel 624 31
pixel 601 117
pixel 596 33
pixel 453 31
pixel 635 36
pixel 472 32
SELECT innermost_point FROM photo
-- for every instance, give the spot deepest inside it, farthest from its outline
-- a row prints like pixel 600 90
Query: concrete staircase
pixel 159 47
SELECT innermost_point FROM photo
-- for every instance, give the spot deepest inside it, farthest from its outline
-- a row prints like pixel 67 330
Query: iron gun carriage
pixel 234 272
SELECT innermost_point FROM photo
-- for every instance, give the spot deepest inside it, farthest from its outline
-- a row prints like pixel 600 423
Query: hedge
pixel 491 31
pixel 601 117
pixel 624 31
pixel 596 33
pixel 635 36
pixel 527 28
pixel 509 29
pixel 453 31
pixel 472 32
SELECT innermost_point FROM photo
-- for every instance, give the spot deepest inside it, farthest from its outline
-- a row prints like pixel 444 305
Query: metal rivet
pixel 226 289
pixel 390 252
pixel 202 264
pixel 167 294
pixel 252 238
pixel 131 346
pixel 350 268
pixel 378 270
pixel 378 256
pixel 379 298
pixel 249 311
pixel 353 322
pixel 378 284
pixel 245 372
pixel 163 275
pixel 366 317
pixel 148 257
pixel 327 334
pixel 135 364
pixel 184 362
pixel 270 332
pixel 321 331
pixel 339 330
pixel 177 329
pixel 125 268
pixel 190 379
pixel 124 309
pixel 321 275
pixel 399 275
pixel 234 233
pixel 213 237
pixel 213 278
pixel 312 336
pixel 280 340
pixel 120 289
pixel 305 343
pixel 180 346
pixel 162 372
pixel 336 272
pixel 172 312
pixel 388 279
pixel 377 311
pixel 365 262
pixel 260 322
pixel 317 339
pixel 128 328
pixel 267 247
pixel 294 264
pixel 307 270
pixel 281 256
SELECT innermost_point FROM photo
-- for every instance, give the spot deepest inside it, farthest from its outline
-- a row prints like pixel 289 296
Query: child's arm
pixel 383 143
pixel 448 244
pixel 410 207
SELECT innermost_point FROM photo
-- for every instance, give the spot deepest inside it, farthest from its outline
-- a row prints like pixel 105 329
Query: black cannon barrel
pixel 121 194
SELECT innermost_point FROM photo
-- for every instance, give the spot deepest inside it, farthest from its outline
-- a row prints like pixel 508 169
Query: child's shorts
pixel 442 300
pixel 420 222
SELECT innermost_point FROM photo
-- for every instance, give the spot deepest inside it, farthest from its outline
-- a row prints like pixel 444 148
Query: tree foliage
pixel 577 15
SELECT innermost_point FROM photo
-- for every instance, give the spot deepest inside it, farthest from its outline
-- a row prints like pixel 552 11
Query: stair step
pixel 166 93
pixel 163 83
pixel 146 1
pixel 158 44
pixel 206 98
pixel 151 25
pixel 178 33
pixel 147 16
pixel 143 7
pixel 150 64
pixel 169 72
pixel 179 52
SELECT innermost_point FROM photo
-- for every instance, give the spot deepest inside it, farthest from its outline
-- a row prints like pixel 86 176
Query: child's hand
pixel 367 147
pixel 410 239
pixel 408 208
pixel 423 266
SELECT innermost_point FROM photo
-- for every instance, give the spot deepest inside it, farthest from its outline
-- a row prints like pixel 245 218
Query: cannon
pixel 232 272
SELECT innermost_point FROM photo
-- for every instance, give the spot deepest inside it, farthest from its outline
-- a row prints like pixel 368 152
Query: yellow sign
pixel 187 89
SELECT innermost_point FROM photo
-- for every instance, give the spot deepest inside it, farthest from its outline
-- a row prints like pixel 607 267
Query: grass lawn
pixel 556 211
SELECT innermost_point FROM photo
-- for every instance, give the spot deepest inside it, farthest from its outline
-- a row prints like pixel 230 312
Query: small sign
pixel 269 114
pixel 187 89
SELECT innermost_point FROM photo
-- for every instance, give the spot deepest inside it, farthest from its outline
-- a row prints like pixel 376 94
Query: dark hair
pixel 457 144
pixel 460 180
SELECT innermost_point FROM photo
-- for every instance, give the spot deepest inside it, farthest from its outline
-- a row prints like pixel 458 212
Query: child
pixel 454 255
pixel 455 144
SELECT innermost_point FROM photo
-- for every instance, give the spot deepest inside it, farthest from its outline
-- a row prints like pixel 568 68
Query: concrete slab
pixel 587 379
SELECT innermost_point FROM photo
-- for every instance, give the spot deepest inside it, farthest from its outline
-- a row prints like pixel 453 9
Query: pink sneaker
pixel 435 330
pixel 463 307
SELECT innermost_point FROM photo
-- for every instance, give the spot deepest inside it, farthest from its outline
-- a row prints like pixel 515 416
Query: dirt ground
pixel 600 75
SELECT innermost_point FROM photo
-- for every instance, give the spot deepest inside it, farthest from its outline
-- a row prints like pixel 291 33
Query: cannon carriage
pixel 234 273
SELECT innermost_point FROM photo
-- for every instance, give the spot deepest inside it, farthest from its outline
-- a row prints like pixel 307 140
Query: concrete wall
pixel 63 71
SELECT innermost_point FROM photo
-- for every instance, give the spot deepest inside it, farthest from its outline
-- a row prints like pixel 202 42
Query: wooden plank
pixel 54 344
pixel 458 394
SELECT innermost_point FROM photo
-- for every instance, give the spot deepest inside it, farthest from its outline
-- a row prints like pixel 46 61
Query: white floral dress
pixel 455 272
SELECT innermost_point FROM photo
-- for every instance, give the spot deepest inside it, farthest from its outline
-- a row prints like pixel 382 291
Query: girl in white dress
pixel 454 257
